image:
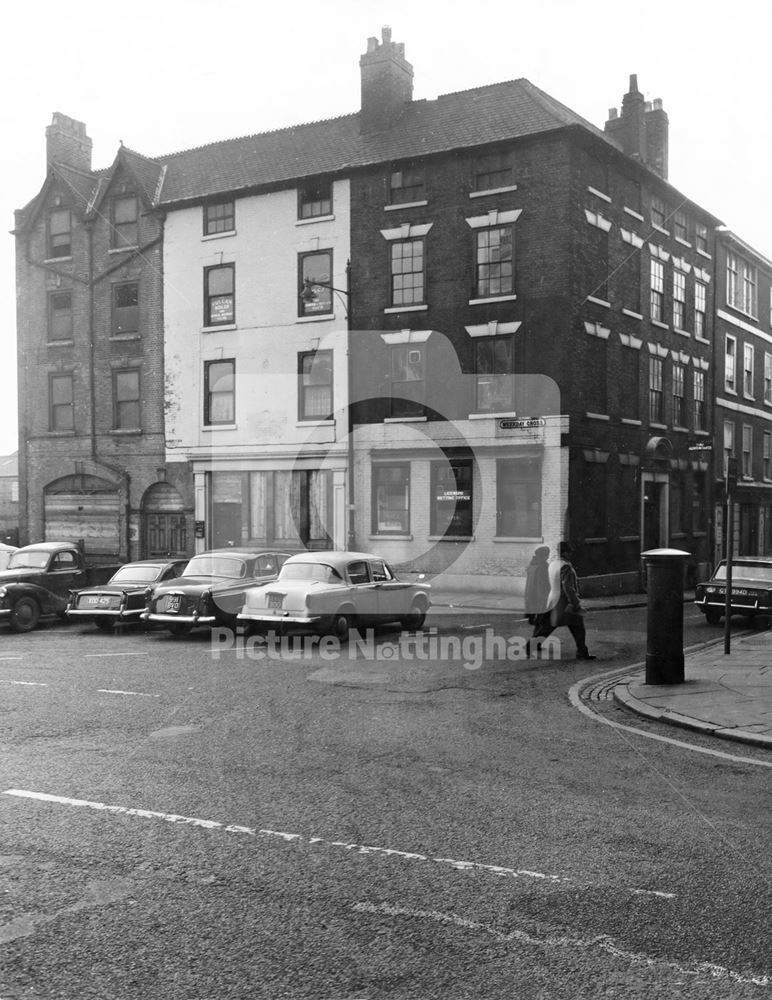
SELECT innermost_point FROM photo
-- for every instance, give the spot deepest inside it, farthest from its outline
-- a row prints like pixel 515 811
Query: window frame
pixel 212 396
pixel 60 293
pixel 531 480
pixel 700 308
pixel 216 224
pixel 766 455
pixel 325 356
pixel 658 212
pixel 414 243
pixel 210 297
pixel 679 394
pixel 65 407
pixel 730 364
pixel 657 290
pixel 698 398
pixel 768 378
pixel 116 290
pixel 404 483
pixel 679 299
pixel 729 443
pixel 656 390
pixel 323 304
pixel 117 226
pixel 493 171
pixel 453 528
pixel 405 405
pixel 63 250
pixel 132 422
pixel 681 225
pixel 412 193
pixel 497 377
pixel 315 199
pixel 747 452
pixel 482 284
pixel 749 364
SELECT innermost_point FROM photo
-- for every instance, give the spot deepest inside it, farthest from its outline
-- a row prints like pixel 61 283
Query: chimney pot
pixel 67 142
pixel 387 83
pixel 612 113
pixel 386 34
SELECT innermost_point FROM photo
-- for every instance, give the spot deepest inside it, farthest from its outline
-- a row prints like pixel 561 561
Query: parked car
pixel 332 592
pixel 38 581
pixel 751 592
pixel 211 588
pixel 124 597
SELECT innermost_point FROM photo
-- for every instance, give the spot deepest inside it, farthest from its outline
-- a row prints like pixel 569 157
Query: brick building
pixel 521 312
pixel 743 394
pixel 91 367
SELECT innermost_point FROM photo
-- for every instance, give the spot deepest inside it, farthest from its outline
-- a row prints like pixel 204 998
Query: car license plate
pixel 173 602
pixel 275 600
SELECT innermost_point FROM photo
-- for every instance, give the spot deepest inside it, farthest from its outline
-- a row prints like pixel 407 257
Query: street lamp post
pixel 308 295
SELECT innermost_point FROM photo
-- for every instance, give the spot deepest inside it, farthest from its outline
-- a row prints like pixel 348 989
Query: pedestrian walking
pixel 537 584
pixel 564 605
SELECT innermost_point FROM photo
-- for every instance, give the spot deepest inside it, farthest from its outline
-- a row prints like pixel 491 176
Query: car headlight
pixel 204 601
pixel 3 592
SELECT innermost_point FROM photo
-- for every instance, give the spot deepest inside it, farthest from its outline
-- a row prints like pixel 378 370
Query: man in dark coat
pixel 564 604
pixel 537 584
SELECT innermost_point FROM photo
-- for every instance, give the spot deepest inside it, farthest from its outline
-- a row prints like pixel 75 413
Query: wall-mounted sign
pixel 200 529
pixel 521 423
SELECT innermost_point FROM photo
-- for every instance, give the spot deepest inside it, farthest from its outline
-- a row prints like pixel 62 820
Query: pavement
pixel 728 696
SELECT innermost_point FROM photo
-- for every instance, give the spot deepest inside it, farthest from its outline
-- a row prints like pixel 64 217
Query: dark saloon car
pixel 124 597
pixel 332 592
pixel 751 592
pixel 211 589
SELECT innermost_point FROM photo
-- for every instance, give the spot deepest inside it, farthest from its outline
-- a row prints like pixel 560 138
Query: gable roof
pixel 465 119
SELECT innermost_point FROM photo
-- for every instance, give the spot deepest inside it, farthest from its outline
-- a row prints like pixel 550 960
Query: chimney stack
pixel 641 129
pixel 67 143
pixel 387 82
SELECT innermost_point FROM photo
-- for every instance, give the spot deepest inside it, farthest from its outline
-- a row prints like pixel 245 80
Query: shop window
pixel 451 498
pixel 391 498
pixel 519 492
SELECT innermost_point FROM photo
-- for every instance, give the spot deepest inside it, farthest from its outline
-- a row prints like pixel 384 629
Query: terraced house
pixel 446 330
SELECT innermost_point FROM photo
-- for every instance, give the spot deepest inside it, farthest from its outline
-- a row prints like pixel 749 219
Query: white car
pixel 332 592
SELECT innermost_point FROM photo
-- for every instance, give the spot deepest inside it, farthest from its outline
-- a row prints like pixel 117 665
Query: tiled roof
pixel 453 121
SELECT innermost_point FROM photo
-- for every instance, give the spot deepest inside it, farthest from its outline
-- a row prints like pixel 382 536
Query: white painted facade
pixel 266 443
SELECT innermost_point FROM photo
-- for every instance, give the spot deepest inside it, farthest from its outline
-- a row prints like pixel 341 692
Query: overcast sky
pixel 165 75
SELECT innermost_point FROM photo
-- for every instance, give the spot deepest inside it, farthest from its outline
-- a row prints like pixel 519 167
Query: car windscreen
pixel 136 574
pixel 746 570
pixel 319 572
pixel 34 559
pixel 225 566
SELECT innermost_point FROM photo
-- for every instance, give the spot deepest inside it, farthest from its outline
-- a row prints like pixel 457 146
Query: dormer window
pixel 60 233
pixel 219 217
pixel 125 231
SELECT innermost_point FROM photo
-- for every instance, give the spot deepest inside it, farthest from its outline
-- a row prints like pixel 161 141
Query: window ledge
pixel 629 538
pixel 680 332
pixel 631 314
pixel 660 324
pixel 510 414
pixel 701 340
pixel 208 237
pixel 659 427
pixel 599 302
pixel 57 260
pixel 124 336
pixel 684 243
pixel 61 434
pixel 660 229
pixel 217 329
pixel 597 416
pixel 600 540
pixel 631 422
pixel 451 538
pixel 518 538
pixel 404 420
pixel 383 536
pixel 680 427
pixel 500 190
pixel 59 343
pixel 406 204
pixel 314 218
pixel 635 215
pixel 125 432
pixel 315 423
pixel 123 249
pixel 492 298
pixel 704 253
pixel 406 309
pixel 599 194
pixel 316 319
pixel 219 427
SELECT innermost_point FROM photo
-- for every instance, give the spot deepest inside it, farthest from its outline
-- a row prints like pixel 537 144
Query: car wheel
pixel 415 617
pixel 342 623
pixel 179 629
pixel 712 616
pixel 104 624
pixel 25 614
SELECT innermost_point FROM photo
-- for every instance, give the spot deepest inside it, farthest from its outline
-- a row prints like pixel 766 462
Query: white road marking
pixel 575 699
pixel 603 942
pixel 363 849
pixel 122 653
pixel 36 684
pixel 137 694
pixel 11 657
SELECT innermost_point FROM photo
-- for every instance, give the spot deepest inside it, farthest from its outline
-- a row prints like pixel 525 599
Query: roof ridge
pixel 484 86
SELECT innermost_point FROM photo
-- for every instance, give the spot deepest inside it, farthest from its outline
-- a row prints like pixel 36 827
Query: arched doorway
pixel 163 522
pixel 84 507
